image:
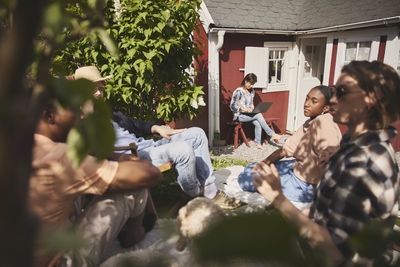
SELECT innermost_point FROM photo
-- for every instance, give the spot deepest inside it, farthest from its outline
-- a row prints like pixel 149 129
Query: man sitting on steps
pixel 186 148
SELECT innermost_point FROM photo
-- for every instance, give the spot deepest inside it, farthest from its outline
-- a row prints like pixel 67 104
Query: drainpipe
pixel 217 91
pixel 213 83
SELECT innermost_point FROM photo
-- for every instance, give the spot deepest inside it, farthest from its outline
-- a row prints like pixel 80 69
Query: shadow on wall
pixel 201 120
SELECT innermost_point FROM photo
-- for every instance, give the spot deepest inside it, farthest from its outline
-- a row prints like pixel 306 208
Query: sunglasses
pixel 340 92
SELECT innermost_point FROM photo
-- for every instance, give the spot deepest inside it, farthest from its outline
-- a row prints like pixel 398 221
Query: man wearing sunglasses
pixel 360 183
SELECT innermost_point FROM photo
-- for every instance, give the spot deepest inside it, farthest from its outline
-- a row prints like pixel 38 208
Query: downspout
pixel 213 83
pixel 218 47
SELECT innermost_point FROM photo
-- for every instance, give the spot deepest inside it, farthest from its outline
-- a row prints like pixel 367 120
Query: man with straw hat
pixel 186 148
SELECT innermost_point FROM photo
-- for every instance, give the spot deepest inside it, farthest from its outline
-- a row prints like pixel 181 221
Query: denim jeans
pixel 190 154
pixel 259 124
pixel 293 188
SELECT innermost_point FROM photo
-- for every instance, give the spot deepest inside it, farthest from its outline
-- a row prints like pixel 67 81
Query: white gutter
pixel 255 31
pixel 217 82
pixel 342 27
pixel 205 17
pixel 214 46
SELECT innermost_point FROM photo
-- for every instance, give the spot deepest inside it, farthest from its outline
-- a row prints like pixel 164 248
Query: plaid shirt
pixel 360 184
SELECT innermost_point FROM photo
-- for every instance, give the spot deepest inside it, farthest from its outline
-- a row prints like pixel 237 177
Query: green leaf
pixel 108 42
pixel 259 237
pixel 100 130
pixel 53 19
pixel 94 55
pixel 77 147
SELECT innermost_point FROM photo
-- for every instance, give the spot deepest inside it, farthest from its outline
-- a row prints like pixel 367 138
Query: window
pixel 357 51
pixel 276 62
pixel 271 65
pixel 311 61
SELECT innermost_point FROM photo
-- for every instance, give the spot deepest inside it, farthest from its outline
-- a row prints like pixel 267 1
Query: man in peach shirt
pixel 120 190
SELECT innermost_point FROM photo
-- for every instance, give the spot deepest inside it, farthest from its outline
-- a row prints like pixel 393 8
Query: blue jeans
pixel 259 124
pixel 190 154
pixel 293 188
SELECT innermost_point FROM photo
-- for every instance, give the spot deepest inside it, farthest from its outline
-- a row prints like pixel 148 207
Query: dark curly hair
pixel 382 82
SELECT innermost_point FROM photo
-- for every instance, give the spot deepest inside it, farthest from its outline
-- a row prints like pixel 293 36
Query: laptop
pixel 260 108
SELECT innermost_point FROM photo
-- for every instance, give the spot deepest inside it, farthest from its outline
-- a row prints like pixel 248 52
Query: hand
pixel 127 157
pixel 166 132
pixel 267 161
pixel 122 157
pixel 268 182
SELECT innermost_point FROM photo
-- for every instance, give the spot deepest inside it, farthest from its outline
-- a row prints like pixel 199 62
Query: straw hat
pixel 90 73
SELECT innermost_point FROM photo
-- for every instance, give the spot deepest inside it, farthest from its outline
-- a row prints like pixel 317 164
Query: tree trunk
pixel 17 125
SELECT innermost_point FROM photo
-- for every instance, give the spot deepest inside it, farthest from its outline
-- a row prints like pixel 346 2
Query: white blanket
pixel 226 180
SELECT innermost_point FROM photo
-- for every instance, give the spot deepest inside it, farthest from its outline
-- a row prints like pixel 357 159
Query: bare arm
pixel 269 185
pixel 133 175
pixel 164 131
pixel 122 157
pixel 243 109
pixel 275 156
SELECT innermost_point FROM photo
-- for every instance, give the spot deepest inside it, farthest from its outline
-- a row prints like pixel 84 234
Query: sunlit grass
pixel 224 162
pixel 168 192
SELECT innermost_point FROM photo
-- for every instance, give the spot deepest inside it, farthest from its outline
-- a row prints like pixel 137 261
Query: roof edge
pixel 205 17
pixel 340 27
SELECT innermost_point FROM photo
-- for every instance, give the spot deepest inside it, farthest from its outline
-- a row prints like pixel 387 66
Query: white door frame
pixel 304 84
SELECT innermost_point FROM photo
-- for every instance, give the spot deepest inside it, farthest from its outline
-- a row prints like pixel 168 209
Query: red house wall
pixel 232 57
pixel 201 66
pixel 396 141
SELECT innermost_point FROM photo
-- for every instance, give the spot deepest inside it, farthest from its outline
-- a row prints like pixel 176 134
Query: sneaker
pixel 225 201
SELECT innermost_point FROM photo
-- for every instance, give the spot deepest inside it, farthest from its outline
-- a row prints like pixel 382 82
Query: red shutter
pixel 333 62
pixel 382 47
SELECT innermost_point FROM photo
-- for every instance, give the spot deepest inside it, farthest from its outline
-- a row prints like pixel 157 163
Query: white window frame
pixel 288 47
pixel 372 37
pixel 358 49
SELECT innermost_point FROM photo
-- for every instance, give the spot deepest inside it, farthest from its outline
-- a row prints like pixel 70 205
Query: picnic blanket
pixel 161 240
pixel 226 180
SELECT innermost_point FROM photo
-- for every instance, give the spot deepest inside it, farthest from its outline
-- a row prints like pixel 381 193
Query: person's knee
pixel 197 131
pixel 259 117
pixel 184 149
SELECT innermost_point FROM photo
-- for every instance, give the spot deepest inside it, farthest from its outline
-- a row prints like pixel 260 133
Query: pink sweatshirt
pixel 312 145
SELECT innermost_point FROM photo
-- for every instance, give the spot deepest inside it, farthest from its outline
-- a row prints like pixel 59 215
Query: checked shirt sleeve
pixel 360 185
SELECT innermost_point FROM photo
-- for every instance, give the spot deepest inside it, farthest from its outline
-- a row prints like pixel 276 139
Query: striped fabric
pixel 359 185
pixel 241 100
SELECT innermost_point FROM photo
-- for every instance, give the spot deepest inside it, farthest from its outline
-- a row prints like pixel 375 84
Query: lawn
pixel 167 193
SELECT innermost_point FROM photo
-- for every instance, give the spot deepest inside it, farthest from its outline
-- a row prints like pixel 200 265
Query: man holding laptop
pixel 243 109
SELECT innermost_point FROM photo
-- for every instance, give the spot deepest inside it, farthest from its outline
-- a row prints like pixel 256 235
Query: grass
pixel 223 162
pixel 168 192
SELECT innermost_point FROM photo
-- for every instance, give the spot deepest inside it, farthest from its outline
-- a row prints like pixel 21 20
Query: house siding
pixel 232 58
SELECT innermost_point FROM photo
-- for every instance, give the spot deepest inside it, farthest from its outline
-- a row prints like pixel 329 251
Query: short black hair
pixel 250 77
pixel 326 91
